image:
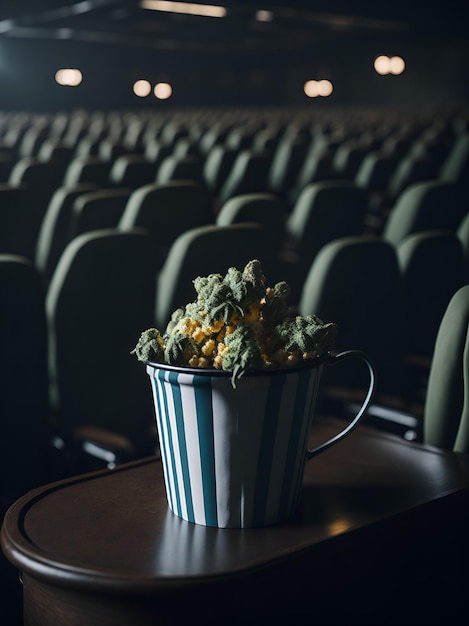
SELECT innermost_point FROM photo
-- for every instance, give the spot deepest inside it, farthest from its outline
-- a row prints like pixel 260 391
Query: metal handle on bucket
pixel 366 403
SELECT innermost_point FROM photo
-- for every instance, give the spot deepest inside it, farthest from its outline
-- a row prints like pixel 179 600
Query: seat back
pixel 423 206
pixel 32 140
pixel 455 167
pixel 199 252
pixel 41 176
pixel 166 211
pixel 374 171
pixel 355 282
pixel 324 211
pixel 132 170
pixel 112 148
pixel 248 174
pixel 41 179
pixel 348 158
pixel 266 209
pixel 99 300
pixel 446 415
pixel 286 161
pixel 176 167
pixel 217 166
pixel 56 151
pixel 156 151
pixel 462 233
pixel 88 169
pixel 432 269
pixel 98 209
pixel 24 406
pixel 316 167
pixel 55 227
pixel 17 209
pixel 409 170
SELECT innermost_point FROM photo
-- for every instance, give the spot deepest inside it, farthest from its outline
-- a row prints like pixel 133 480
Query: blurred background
pixel 241 52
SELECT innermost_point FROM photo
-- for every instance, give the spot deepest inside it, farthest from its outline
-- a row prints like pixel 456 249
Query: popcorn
pixel 237 324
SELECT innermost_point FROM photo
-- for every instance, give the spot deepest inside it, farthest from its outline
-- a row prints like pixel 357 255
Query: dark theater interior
pixel 163 465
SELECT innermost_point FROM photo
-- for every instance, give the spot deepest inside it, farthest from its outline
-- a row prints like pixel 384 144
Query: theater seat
pixel 324 211
pixel 355 282
pixel 55 227
pixel 199 252
pixel 176 167
pixel 132 170
pixel 166 210
pixel 446 416
pixel 99 300
pixel 426 205
pixel 24 405
pixel 88 169
pixel 432 267
pixel 98 209
pixel 249 173
pixel 17 208
pixel 265 209
pixel 217 165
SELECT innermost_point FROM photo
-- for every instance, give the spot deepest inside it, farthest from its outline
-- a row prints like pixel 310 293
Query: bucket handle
pixel 364 407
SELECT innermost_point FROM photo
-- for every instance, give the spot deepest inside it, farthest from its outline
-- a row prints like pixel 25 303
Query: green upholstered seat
pixel 202 251
pixel 41 179
pixel 355 282
pixel 455 168
pixel 432 268
pixel 56 150
pixel 132 170
pixel 99 300
pixel 316 167
pixel 24 405
pixel 248 174
pixel 166 210
pixel 155 151
pixel 217 165
pixel 462 233
pixel 324 211
pixel 375 171
pixel 348 158
pixel 55 227
pixel 112 148
pixel 180 168
pixel 286 161
pixel 424 206
pixel 17 208
pixel 98 209
pixel 263 208
pixel 88 169
pixel 446 416
pixel 32 140
pixel 410 169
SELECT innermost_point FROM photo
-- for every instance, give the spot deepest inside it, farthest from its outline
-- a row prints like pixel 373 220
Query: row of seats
pixel 368 225
pixel 400 279
pixel 256 151
pixel 68 346
pixel 322 212
pixel 70 378
pixel 388 300
pixel 283 169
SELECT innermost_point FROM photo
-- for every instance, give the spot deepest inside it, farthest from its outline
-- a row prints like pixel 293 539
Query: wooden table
pixel 375 539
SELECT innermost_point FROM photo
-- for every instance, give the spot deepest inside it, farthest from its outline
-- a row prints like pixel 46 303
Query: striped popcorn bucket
pixel 234 457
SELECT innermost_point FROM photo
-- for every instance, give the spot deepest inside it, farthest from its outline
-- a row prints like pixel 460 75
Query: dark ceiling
pixel 294 24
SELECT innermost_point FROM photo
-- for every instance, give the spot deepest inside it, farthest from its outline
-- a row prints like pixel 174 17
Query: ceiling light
pixel 188 8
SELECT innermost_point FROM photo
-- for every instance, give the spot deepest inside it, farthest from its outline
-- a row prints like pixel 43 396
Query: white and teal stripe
pixel 233 457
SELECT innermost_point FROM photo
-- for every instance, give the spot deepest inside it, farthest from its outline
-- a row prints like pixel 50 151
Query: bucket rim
pixel 309 364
